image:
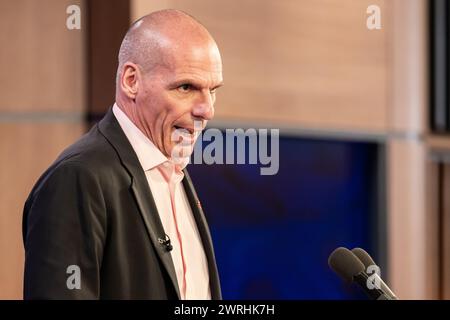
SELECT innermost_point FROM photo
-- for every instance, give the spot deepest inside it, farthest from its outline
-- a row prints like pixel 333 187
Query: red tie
pixel 173 175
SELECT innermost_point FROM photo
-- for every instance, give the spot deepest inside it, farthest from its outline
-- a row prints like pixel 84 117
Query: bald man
pixel 116 215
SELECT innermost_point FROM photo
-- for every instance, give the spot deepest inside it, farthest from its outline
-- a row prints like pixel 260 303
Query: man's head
pixel 169 69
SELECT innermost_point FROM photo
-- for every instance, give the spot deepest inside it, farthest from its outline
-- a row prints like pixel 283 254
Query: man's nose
pixel 205 108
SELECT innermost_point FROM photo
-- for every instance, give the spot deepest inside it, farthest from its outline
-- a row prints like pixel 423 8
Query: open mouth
pixel 191 131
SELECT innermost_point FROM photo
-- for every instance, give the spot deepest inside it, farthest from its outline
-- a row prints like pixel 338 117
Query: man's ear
pixel 129 80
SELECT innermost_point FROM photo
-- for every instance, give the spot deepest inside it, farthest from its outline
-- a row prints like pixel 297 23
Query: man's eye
pixel 185 87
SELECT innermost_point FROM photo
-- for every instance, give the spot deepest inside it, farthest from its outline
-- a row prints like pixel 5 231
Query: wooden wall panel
pixel 41 60
pixel 432 230
pixel 303 63
pixel 26 149
pixel 413 226
pixel 42 104
pixel 408 66
pixel 411 277
pixel 445 233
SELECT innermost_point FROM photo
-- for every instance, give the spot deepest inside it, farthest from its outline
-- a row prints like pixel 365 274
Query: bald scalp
pixel 151 40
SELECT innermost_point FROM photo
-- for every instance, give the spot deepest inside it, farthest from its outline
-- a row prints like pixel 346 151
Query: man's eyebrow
pixel 180 82
pixel 193 82
pixel 218 86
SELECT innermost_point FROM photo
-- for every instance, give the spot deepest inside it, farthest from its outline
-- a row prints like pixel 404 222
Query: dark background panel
pixel 273 234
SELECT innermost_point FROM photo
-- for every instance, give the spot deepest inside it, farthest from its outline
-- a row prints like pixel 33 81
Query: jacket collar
pixel 111 130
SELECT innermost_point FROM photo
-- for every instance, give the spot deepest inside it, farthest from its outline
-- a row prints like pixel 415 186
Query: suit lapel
pixel 205 235
pixel 110 128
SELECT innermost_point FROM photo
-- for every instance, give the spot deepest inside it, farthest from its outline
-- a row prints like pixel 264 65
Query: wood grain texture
pixel 408 221
pixel 42 62
pixel 306 63
pixel 27 149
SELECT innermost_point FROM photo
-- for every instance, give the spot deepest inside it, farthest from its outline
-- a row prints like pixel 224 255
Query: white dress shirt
pixel 150 157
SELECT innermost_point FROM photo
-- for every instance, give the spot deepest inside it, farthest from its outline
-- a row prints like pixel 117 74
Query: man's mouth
pixel 190 130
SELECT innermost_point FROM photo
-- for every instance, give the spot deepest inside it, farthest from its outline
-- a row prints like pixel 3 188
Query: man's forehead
pixel 196 62
pixel 200 52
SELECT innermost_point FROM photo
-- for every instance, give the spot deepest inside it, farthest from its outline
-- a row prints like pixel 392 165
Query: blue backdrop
pixel 273 234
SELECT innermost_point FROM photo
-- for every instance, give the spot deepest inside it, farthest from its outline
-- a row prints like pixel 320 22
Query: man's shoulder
pixel 92 150
pixel 91 155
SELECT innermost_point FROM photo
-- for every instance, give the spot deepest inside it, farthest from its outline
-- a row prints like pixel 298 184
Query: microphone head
pixel 345 263
pixel 365 258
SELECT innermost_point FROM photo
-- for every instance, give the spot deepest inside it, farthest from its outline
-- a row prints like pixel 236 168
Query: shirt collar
pixel 148 154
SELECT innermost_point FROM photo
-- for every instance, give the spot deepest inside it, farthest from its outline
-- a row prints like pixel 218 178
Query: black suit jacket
pixel 93 208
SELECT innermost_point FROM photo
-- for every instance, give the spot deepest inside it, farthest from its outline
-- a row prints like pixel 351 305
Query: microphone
pixel 351 269
pixel 367 260
pixel 166 243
